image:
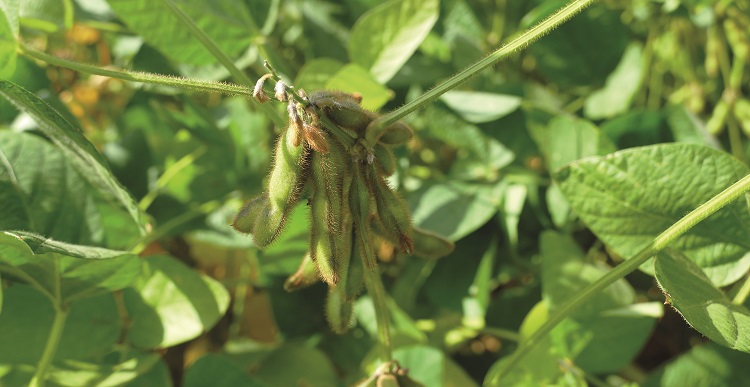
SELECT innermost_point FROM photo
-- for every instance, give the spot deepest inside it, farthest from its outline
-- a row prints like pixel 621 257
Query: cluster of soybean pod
pixel 324 155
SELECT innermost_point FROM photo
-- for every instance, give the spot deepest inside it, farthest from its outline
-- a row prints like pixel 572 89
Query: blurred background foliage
pixel 621 74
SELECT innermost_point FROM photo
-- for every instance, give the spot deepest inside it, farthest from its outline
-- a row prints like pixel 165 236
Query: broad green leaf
pixel 353 78
pixel 82 155
pixel 172 304
pixel 707 365
pixel 565 60
pixel 704 307
pixel 431 367
pixel 41 245
pixel 629 197
pixel 316 73
pixel 226 22
pixel 27 319
pixel 568 138
pixel 478 107
pixel 384 38
pixel 8 37
pixel 64 278
pixel 218 371
pixel 608 331
pixel 42 192
pixel 293 365
pixel 112 371
pixel 454 209
pixel 621 86
pixel 47 15
pixel 479 156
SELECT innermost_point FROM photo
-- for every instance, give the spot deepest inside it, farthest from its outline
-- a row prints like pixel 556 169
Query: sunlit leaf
pixel 629 197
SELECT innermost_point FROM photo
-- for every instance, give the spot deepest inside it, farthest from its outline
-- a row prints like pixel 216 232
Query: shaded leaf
pixel 82 155
pixel 353 78
pixel 568 138
pixel 629 197
pixel 217 371
pixel 707 365
pixel 297 365
pixel 226 22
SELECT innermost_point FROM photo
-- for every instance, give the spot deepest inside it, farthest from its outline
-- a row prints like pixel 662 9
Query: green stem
pixel 135 76
pixel 501 333
pixel 168 174
pixel 50 348
pixel 517 44
pixel 659 243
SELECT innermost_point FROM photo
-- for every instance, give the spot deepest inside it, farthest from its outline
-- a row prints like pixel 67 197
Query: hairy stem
pixel 517 44
pixel 136 76
pixel 50 348
pixel 658 244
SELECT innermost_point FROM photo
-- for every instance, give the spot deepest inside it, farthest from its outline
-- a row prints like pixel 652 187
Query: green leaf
pixel 568 138
pixel 41 245
pixel 384 38
pixel 218 371
pixel 226 22
pixel 478 107
pixel 454 209
pixel 620 89
pixel 48 15
pixel 355 79
pixel 42 192
pixel 64 278
pixel 8 37
pixel 629 197
pixel 584 50
pixel 112 371
pixel 27 321
pixel 315 73
pixel 704 307
pixel 608 331
pixel 293 365
pixel 82 155
pixel 172 304
pixel 707 365
pixel 431 366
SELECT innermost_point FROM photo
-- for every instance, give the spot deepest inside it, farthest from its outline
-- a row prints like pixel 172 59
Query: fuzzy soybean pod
pixel 429 245
pixel 344 110
pixel 290 171
pixel 306 275
pixel 393 217
pixel 331 233
pixel 385 159
pixel 246 217
pixel 397 133
pixel 339 311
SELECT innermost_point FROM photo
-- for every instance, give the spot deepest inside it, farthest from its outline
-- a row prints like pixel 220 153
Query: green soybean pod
pixel 397 133
pixel 286 181
pixel 332 221
pixel 428 244
pixel 246 217
pixel 385 159
pixel 355 280
pixel 339 311
pixel 306 275
pixel 393 215
pixel 343 109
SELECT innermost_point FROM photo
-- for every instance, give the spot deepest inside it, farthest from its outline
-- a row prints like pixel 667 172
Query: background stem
pixel 55 334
